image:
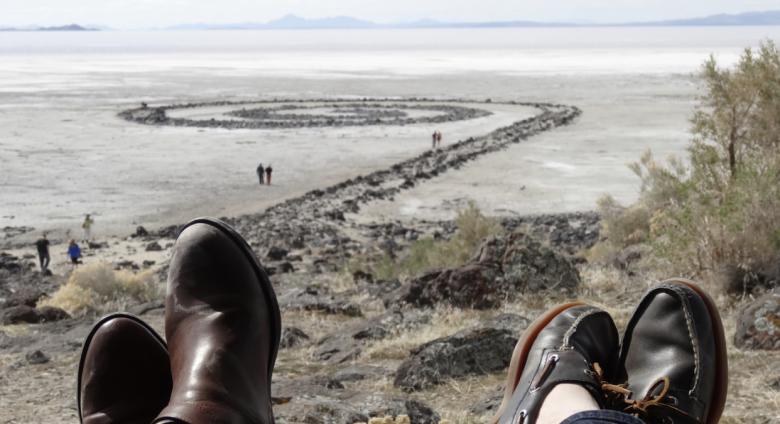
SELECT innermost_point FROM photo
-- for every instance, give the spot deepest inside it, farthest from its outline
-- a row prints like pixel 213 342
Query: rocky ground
pixel 432 346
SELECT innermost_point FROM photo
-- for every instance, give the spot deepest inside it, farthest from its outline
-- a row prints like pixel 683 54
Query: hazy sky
pixel 153 13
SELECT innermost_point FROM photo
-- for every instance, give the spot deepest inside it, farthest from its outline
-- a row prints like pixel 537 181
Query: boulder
pixel 502 268
pixel 418 412
pixel 10 263
pixel 292 337
pixel 36 357
pixel 21 314
pixel 51 314
pixel 28 296
pixel 140 231
pixel 154 247
pixel 277 253
pixel 739 280
pixel 489 404
pixel 471 352
pixel 758 326
pixel 286 268
pixel 337 349
pixel 358 372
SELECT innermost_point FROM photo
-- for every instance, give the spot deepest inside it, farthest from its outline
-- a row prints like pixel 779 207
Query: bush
pixel 722 207
pixel 97 288
pixel 426 254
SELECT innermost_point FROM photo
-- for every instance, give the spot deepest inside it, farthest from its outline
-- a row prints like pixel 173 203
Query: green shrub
pixel 722 207
pixel 426 253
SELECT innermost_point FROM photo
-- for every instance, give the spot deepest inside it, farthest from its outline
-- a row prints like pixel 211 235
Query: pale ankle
pixel 565 400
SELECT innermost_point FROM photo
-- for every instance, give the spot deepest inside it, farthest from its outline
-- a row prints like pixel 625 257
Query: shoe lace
pixel 653 398
pixel 614 393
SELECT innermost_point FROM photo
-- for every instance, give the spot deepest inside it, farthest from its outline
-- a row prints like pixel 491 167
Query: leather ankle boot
pixel 673 357
pixel 124 373
pixel 223 326
pixel 573 343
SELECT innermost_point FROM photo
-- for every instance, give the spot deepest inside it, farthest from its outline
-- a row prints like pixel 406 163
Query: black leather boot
pixel 573 343
pixel 673 357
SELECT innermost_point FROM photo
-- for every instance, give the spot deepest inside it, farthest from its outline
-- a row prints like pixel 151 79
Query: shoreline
pixel 380 184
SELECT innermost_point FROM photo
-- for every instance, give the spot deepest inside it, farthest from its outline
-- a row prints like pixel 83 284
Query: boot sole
pixel 88 341
pixel 265 282
pixel 522 348
pixel 720 391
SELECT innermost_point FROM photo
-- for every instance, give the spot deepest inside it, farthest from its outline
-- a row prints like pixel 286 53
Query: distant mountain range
pixel 71 27
pixel 769 18
pixel 346 22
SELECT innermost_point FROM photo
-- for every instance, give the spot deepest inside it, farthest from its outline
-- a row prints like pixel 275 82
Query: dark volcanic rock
pixel 153 247
pixel 470 352
pixel 292 337
pixel 277 253
pixel 28 296
pixel 126 264
pixel 140 231
pixel 418 412
pixel 490 404
pixel 319 300
pixel 36 357
pixel 21 314
pixel 472 286
pixel 51 314
pixel 758 326
pixel 337 349
pixel 171 231
pixel 10 263
pixel 739 280
pixel 24 314
pixel 335 307
pixel 286 268
pixel 502 268
pixel 358 372
pixel 511 322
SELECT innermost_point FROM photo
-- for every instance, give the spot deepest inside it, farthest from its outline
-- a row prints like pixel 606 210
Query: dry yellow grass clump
pixel 97 288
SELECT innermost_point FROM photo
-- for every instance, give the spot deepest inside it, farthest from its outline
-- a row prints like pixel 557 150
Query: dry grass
pixel 98 288
pixel 444 322
pixel 751 399
pixel 426 254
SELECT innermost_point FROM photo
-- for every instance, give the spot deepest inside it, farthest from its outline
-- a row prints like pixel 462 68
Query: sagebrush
pixel 98 288
pixel 720 208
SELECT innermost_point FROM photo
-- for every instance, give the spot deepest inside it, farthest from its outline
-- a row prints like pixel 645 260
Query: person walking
pixel 268 172
pixel 74 252
pixel 87 227
pixel 434 137
pixel 260 173
pixel 438 138
pixel 42 245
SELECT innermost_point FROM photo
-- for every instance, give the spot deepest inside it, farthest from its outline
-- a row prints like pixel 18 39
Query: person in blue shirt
pixel 74 252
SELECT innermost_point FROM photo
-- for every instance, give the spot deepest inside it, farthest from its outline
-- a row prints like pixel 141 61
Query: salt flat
pixel 64 151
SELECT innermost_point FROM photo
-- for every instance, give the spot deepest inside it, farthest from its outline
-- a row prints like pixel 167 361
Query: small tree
pixel 723 206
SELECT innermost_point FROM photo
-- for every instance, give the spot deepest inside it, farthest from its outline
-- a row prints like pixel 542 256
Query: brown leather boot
pixel 223 326
pixel 673 357
pixel 572 343
pixel 124 373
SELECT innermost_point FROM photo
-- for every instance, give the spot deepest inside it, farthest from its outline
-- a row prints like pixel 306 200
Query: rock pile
pixel 758 326
pixel 502 268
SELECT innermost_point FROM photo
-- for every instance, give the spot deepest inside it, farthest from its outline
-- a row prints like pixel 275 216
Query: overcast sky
pixel 155 13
